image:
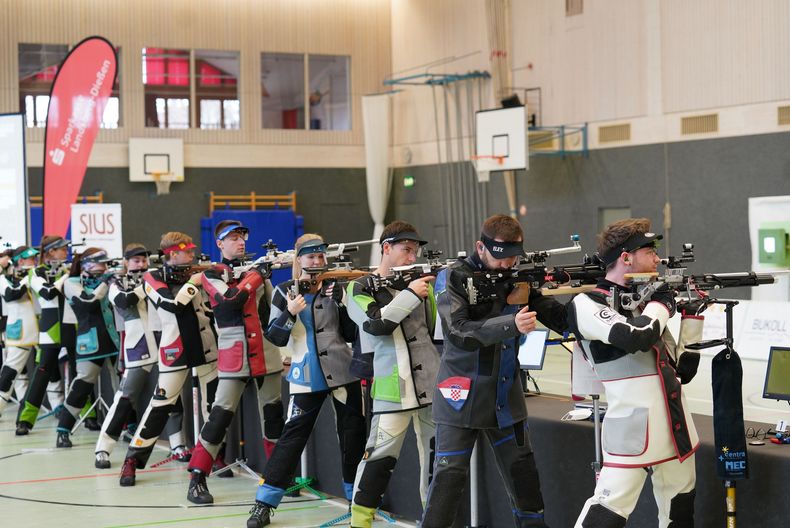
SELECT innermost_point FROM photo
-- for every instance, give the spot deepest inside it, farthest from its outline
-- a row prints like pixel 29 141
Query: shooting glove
pixel 264 269
pixel 688 362
pixel 666 296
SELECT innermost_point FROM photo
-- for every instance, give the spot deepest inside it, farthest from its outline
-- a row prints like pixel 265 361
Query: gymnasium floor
pixel 42 486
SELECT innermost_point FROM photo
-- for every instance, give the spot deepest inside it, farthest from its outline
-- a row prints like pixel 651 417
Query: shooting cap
pixel 181 246
pixel 23 252
pixel 138 251
pixel 235 227
pixel 404 235
pixel 313 245
pixel 49 242
pixel 500 250
pixel 631 244
pixel 94 258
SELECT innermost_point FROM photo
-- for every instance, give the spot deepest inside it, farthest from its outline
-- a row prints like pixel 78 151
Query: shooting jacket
pixel 634 355
pixel 235 303
pixel 96 334
pixel 51 301
pixel 479 384
pixel 21 321
pixel 187 339
pixel 316 339
pixel 131 316
pixel 398 325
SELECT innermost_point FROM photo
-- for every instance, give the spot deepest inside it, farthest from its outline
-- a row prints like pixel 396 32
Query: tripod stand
pixel 99 400
pixel 241 458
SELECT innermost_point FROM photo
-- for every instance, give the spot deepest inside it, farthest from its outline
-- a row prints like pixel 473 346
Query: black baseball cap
pixel 404 235
pixel 56 244
pixel 500 250
pixel 139 251
pixel 634 242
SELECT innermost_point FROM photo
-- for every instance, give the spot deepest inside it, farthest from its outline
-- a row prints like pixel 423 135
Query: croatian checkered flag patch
pixel 455 390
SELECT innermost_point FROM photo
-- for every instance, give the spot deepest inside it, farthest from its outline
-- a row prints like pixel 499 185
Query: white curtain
pixel 376 121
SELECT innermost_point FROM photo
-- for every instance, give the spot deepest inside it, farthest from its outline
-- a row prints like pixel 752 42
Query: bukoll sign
pixel 79 95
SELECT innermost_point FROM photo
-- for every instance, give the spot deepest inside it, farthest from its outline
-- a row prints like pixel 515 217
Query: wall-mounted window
pixel 292 82
pixel 282 90
pixel 166 87
pixel 330 86
pixel 216 89
pixel 167 81
pixel 38 65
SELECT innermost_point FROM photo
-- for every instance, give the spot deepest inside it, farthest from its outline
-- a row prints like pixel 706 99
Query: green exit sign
pixel 773 246
pixel 408 181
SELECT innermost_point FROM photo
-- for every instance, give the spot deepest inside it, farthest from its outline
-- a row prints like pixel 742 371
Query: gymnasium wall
pixel 646 64
pixel 338 210
pixel 707 183
pixel 356 28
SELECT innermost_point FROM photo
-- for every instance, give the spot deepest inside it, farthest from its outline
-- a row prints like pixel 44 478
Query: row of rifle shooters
pixel 225 325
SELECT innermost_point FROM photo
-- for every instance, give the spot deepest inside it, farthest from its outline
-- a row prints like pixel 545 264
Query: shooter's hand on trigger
pixel 526 321
pixel 196 279
pixel 420 286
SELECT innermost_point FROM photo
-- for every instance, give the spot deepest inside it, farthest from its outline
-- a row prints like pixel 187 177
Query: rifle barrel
pixel 714 281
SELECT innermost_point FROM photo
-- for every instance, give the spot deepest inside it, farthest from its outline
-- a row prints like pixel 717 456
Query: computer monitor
pixel 532 349
pixel 777 376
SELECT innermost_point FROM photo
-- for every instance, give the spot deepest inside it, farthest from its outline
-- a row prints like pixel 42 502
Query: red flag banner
pixel 79 94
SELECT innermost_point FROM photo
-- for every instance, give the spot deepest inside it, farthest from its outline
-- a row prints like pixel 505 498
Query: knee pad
pixel 78 395
pixel 217 425
pixel 119 418
pixel 444 497
pixel 681 510
pixel 526 484
pixel 273 421
pixel 7 375
pixel 599 516
pixel 375 477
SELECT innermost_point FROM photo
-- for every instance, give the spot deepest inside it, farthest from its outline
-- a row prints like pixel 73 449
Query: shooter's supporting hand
pixel 420 286
pixel 526 321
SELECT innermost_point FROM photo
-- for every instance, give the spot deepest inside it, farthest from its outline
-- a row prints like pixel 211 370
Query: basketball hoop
pixel 485 164
pixel 162 183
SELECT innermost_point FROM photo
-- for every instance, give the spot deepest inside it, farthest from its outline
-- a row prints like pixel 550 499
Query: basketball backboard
pixel 156 158
pixel 501 139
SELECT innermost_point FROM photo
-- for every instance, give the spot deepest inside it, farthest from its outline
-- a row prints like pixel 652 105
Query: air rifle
pixel 531 272
pixel 643 285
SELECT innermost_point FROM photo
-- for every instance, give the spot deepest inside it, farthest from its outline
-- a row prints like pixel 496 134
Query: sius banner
pixel 76 105
pixel 98 225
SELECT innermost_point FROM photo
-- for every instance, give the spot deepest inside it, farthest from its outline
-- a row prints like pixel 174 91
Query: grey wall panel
pixel 332 201
pixel 708 184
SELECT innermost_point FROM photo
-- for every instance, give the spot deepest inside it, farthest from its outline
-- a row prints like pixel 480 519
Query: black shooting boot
pixel 260 515
pixel 198 489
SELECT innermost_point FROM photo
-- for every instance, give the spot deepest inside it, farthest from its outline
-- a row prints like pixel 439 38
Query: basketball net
pixel 162 183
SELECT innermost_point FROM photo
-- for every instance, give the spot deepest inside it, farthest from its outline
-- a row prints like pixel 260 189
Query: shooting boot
pixel 63 439
pixel 128 472
pixel 198 489
pixel 260 515
pixel 102 460
pixel 23 428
